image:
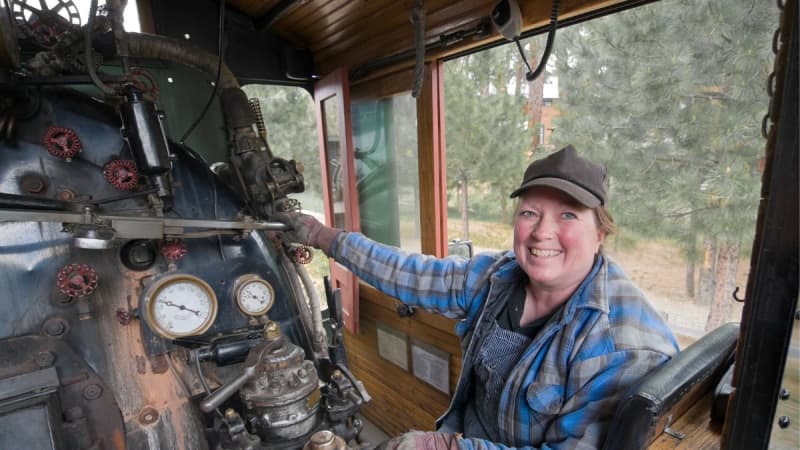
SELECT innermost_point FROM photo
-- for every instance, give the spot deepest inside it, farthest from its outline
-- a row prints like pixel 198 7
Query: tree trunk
pixel 463 191
pixel 705 278
pixel 727 262
pixel 691 256
pixel 535 99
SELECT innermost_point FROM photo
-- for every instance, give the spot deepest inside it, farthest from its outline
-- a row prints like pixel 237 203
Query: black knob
pixel 404 310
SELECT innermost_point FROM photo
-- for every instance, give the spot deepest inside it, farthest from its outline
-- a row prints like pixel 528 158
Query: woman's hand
pixel 306 230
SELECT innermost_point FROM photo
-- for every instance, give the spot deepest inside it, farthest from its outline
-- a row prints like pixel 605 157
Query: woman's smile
pixel 544 252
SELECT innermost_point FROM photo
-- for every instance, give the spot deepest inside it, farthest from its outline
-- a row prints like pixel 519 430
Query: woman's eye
pixel 569 215
pixel 527 214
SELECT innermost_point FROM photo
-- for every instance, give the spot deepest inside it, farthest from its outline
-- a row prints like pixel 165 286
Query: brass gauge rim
pixel 153 291
pixel 245 280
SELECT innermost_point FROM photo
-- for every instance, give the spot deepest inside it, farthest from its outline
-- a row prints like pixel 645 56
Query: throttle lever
pixel 219 396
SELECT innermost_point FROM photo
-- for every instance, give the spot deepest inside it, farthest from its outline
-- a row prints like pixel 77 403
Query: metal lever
pixel 359 386
pixel 219 396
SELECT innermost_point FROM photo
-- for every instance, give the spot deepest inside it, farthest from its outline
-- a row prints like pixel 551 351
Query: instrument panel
pixel 181 305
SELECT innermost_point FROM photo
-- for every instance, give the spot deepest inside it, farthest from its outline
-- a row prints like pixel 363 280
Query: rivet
pixel 45 359
pixel 92 392
pixel 148 415
pixel 54 327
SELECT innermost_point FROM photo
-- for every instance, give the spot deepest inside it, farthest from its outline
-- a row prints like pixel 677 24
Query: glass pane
pixel 670 101
pixel 333 157
pixel 387 175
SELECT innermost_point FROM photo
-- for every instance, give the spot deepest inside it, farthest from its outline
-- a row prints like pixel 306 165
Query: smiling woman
pixel 556 235
pixel 553 332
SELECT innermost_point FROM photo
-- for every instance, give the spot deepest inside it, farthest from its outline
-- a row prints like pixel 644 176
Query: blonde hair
pixel 604 221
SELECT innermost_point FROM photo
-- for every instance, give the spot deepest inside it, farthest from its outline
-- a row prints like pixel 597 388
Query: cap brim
pixel 580 194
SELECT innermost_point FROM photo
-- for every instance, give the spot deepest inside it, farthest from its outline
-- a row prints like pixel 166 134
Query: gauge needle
pixel 181 307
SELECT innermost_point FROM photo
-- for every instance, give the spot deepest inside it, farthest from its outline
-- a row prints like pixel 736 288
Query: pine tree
pixel 671 99
pixel 486 130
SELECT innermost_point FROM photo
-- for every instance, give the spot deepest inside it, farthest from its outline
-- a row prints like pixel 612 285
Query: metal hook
pixel 735 297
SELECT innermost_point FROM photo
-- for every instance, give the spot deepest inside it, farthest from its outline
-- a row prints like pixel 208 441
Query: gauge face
pixel 181 305
pixel 254 295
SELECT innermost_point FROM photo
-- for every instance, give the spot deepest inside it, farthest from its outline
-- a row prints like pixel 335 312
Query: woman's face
pixel 555 239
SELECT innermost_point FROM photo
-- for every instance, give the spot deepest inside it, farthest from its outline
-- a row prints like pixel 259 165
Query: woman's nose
pixel 544 228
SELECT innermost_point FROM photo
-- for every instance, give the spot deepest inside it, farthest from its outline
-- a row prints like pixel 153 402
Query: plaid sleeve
pixel 418 280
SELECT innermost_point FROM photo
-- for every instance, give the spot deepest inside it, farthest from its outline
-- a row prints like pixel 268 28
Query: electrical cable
pixel 551 36
pixel 177 375
pixel 418 19
pixel 202 378
pixel 220 52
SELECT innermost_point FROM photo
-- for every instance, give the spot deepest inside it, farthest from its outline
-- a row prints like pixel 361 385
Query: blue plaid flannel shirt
pixel 564 390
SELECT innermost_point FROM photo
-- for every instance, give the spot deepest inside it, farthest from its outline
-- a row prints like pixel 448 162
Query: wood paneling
pixel 349 33
pixel 401 401
pixel 254 8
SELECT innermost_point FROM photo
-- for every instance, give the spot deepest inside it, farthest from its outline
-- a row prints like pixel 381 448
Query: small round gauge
pixel 180 305
pixel 254 295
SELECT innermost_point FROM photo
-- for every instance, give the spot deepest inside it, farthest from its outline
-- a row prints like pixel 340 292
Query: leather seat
pixel 668 391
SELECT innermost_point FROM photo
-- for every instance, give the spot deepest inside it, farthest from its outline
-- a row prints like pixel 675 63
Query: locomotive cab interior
pixel 150 302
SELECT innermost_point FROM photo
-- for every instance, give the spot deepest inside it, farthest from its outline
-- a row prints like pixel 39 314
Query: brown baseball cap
pixel 568 172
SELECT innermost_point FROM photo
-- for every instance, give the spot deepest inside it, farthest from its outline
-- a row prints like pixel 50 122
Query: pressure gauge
pixel 254 295
pixel 180 305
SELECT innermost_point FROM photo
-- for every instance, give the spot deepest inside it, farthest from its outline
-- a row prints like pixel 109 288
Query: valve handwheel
pixel 303 255
pixel 173 249
pixel 121 173
pixel 62 142
pixel 46 22
pixel 77 280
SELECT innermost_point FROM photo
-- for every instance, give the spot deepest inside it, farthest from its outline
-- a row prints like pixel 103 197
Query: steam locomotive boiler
pixel 147 300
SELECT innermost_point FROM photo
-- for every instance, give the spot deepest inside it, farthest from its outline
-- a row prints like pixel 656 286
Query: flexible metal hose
pixel 316 309
pixel 302 307
pixel 168 49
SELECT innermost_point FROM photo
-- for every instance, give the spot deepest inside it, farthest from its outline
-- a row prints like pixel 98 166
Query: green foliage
pixel 670 97
pixel 486 126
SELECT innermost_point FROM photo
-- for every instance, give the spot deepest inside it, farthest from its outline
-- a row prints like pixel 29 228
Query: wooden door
pixel 332 98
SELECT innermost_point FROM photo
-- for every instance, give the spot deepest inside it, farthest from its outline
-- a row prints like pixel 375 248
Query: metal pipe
pixel 26 202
